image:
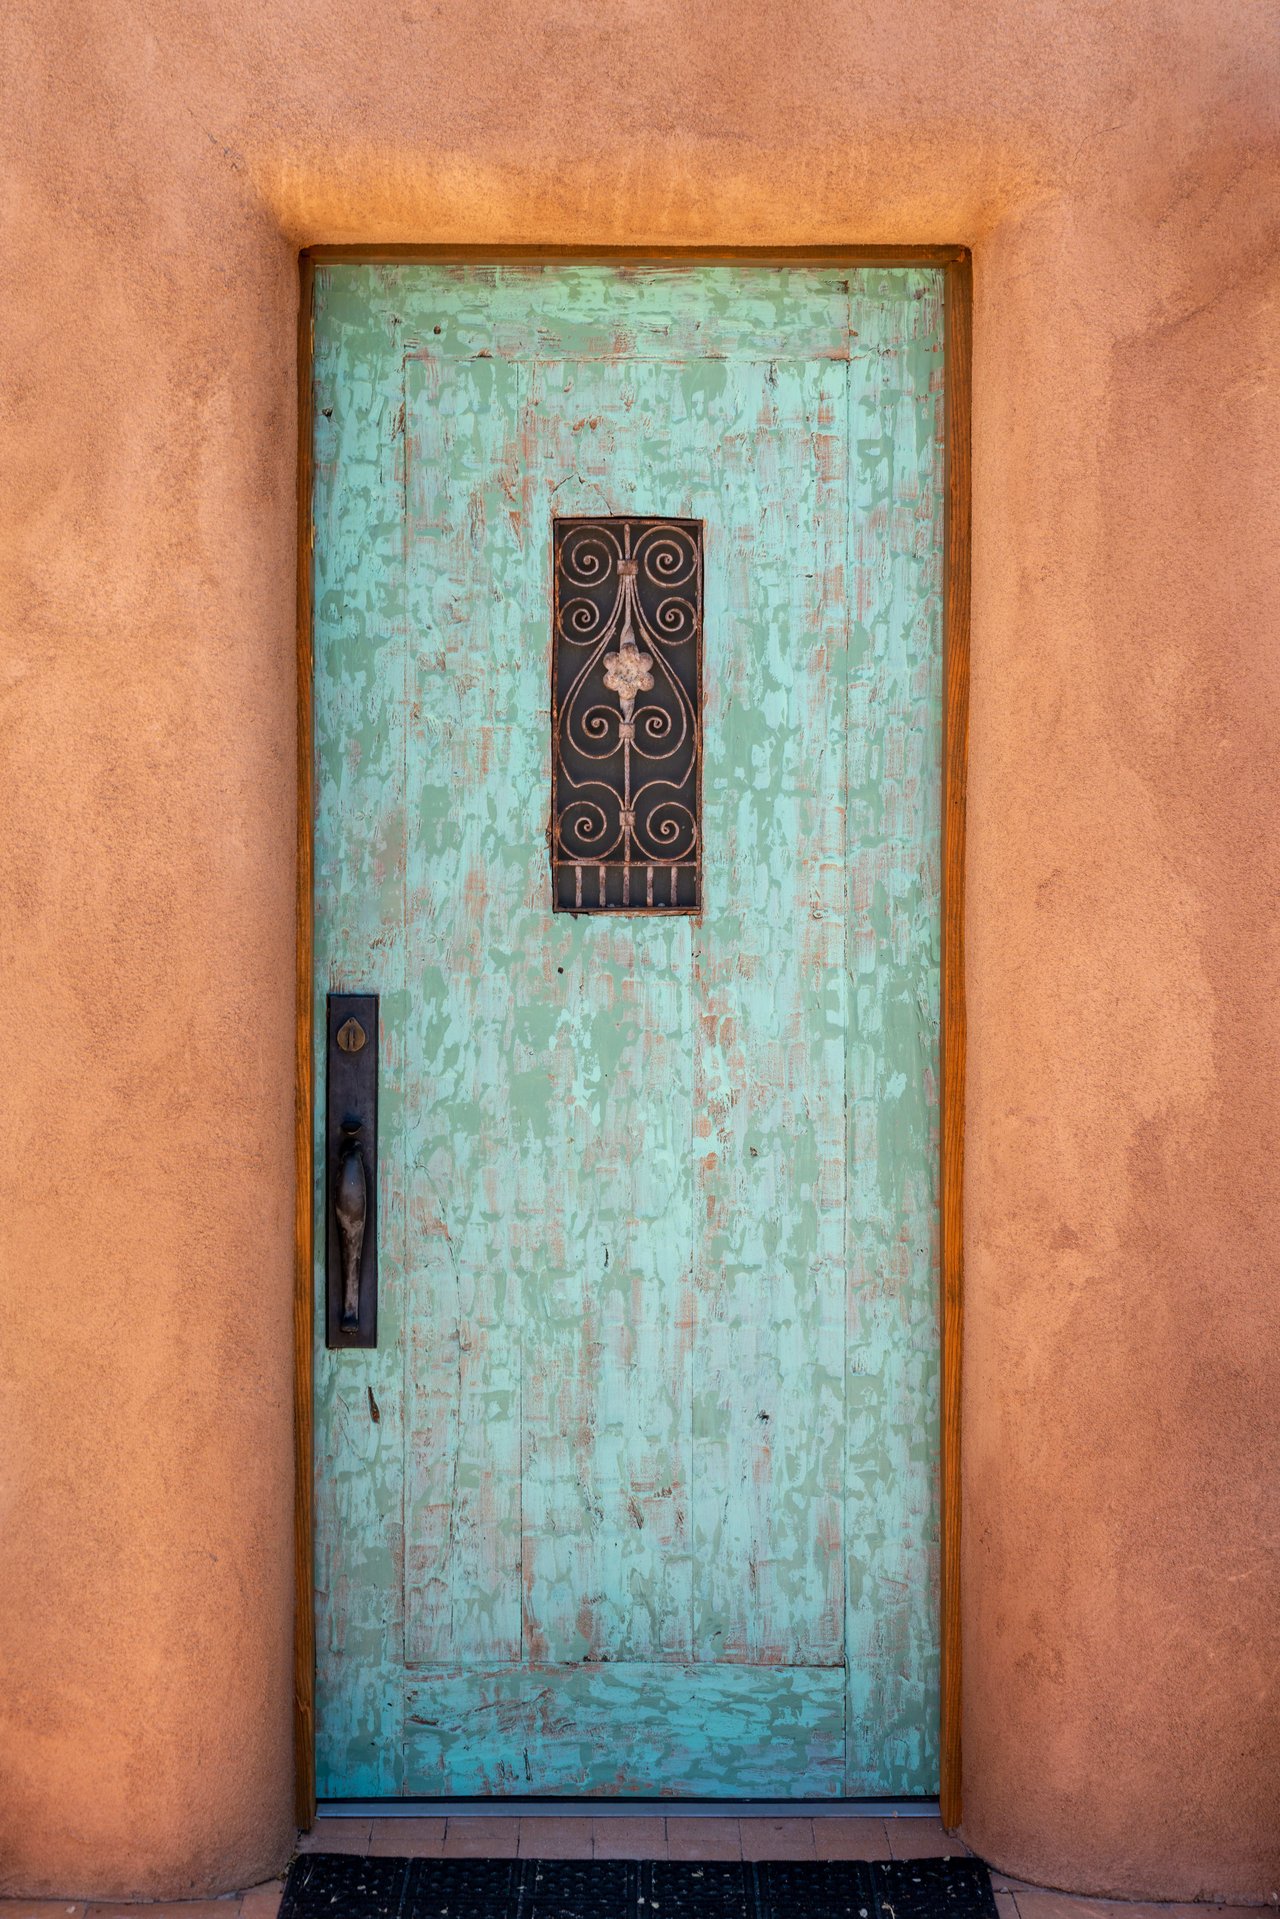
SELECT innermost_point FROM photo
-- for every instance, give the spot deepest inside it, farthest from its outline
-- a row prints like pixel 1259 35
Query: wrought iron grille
pixel 626 716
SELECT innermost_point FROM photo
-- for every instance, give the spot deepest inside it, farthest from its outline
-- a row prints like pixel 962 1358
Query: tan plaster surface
pixel 1114 169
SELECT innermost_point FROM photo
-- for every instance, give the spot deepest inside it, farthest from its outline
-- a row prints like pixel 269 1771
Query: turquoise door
pixel 638 1493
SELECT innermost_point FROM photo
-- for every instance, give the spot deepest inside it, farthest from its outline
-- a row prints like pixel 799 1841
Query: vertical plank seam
pixel 957 376
pixel 697 1041
pixel 849 609
pixel 406 1339
pixel 524 382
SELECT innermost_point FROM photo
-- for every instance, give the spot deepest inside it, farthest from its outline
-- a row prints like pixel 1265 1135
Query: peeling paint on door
pixel 649 1504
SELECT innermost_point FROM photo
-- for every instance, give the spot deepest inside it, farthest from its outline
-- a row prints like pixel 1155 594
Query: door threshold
pixel 627 1808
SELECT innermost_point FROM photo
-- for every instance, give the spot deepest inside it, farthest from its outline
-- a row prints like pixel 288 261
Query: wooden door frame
pixel 956 264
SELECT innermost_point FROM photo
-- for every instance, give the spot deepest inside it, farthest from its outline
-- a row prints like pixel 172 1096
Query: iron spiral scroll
pixel 626 715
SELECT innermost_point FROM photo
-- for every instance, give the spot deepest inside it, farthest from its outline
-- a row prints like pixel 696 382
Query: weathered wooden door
pixel 638 1492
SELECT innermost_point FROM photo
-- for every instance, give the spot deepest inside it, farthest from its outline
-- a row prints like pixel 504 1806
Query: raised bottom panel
pixel 703 1731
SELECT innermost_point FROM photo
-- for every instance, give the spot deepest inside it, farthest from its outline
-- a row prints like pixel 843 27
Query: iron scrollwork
pixel 626 716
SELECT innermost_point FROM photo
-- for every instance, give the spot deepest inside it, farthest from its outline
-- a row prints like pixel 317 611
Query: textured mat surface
pixel 326 1885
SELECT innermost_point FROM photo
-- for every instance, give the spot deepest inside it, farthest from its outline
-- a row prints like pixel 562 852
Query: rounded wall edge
pixel 1120 1452
pixel 147 1581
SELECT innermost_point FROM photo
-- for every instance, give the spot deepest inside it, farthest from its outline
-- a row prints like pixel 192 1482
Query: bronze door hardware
pixel 351 1171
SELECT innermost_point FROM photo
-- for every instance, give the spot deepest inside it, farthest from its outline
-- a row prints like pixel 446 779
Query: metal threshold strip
pixel 627 1808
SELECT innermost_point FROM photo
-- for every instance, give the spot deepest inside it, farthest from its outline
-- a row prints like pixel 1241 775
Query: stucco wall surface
pixel 1114 169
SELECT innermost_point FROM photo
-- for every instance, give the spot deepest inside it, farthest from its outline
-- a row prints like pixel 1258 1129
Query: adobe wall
pixel 1114 170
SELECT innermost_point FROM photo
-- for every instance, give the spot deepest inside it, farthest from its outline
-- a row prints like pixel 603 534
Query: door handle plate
pixel 351 1171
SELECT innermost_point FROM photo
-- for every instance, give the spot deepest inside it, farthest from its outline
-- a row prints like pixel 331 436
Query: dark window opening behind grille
pixel 626 716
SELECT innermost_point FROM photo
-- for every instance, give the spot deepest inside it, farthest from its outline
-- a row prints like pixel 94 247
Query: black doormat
pixel 330 1885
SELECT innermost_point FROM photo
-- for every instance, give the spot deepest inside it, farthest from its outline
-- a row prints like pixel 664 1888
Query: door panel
pixel 731 1732
pixel 638 1492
